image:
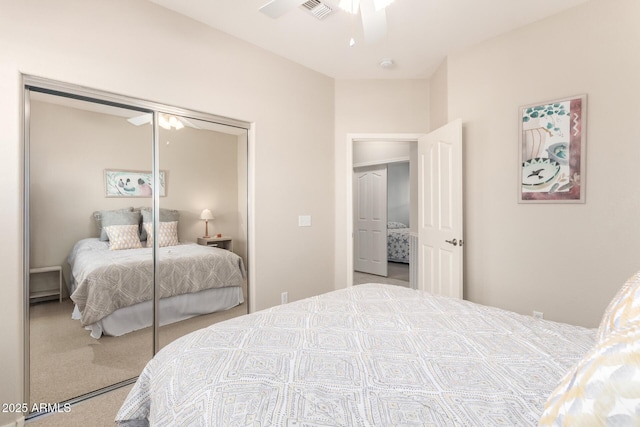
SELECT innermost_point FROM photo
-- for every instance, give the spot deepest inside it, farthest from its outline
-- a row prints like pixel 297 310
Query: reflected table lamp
pixel 207 216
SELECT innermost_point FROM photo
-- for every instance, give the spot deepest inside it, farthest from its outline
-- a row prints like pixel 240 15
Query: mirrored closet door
pixel 203 166
pixel 101 264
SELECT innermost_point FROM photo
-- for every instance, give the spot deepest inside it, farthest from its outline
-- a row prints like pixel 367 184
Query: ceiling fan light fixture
pixel 382 4
pixel 167 121
pixel 163 122
pixel 351 6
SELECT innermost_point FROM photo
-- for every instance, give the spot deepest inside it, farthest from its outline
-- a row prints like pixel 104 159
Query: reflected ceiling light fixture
pixel 352 42
pixel 168 121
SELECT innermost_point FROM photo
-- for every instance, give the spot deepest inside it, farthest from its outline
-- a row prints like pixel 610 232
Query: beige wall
pixel 438 97
pixel 572 280
pixel 136 48
pixel 564 260
pixel 370 106
pixel 201 171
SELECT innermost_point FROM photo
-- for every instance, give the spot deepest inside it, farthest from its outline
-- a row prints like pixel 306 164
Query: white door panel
pixel 370 225
pixel 440 210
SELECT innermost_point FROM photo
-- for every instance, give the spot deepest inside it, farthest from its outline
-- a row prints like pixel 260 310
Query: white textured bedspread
pixel 370 355
pixel 107 280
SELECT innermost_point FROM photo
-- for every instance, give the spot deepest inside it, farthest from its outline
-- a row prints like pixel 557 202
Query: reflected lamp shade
pixel 207 216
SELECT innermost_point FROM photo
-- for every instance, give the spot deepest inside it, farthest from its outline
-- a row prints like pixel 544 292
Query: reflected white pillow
pixel 123 237
pixel 167 233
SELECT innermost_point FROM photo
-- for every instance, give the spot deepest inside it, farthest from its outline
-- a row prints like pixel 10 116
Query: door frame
pixel 348 175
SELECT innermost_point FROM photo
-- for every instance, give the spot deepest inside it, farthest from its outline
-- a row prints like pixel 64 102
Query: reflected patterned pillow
pixel 114 217
pixel 167 233
pixel 623 308
pixel 603 389
pixel 166 215
pixel 123 237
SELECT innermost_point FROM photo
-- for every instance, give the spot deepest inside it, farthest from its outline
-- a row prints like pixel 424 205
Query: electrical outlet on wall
pixel 284 298
pixel 538 315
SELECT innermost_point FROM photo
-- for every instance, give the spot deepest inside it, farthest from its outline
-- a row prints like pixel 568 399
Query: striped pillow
pixel 603 389
pixel 623 308
pixel 167 233
pixel 123 237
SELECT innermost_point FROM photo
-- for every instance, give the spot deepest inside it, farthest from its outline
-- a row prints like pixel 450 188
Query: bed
pixel 397 242
pixel 112 289
pixel 380 355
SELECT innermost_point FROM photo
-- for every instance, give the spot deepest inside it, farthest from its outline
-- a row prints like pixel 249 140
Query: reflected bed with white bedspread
pixel 369 355
pixel 114 288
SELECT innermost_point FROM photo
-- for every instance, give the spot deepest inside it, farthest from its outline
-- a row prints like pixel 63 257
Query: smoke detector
pixel 387 63
pixel 317 8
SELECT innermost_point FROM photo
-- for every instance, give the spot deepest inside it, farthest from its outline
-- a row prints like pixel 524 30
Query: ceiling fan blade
pixel 140 120
pixel 189 123
pixel 374 22
pixel 277 8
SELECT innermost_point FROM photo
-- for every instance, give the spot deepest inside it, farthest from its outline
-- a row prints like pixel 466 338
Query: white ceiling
pixel 421 33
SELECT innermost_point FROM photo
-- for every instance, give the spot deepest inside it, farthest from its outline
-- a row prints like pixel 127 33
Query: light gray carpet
pixel 65 362
pixel 397 274
pixel 99 411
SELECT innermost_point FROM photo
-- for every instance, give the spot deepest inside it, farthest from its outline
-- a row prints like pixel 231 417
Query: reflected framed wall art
pixel 552 151
pixel 123 183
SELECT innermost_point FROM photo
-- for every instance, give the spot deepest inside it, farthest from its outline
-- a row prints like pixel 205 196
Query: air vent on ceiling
pixel 317 8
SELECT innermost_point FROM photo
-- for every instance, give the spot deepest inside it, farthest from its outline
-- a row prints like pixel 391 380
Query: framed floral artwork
pixel 552 151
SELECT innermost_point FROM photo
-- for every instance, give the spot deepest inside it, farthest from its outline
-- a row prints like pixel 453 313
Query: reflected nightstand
pixel 57 270
pixel 217 242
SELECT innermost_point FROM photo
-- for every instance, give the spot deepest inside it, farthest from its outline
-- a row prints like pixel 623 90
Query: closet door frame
pixel 38 84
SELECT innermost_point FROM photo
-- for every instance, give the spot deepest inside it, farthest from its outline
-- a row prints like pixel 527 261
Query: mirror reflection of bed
pixel 109 340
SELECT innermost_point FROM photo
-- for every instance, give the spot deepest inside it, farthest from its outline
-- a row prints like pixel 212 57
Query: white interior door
pixel 440 211
pixel 370 219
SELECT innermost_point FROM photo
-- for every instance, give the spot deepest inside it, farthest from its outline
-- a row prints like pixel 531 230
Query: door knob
pixel 454 242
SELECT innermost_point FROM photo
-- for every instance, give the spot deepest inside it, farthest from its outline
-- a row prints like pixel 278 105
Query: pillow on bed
pixel 123 237
pixel 603 389
pixel 166 215
pixel 393 225
pixel 623 308
pixel 124 216
pixel 167 233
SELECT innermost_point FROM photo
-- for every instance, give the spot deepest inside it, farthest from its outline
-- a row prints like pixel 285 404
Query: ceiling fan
pixel 166 121
pixel 372 12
